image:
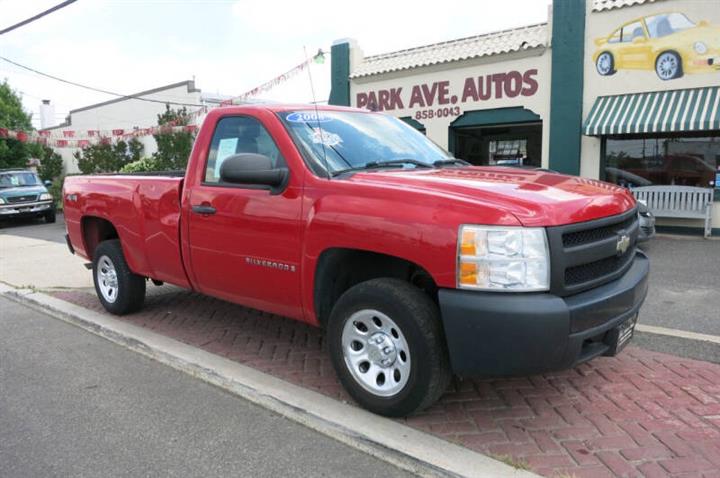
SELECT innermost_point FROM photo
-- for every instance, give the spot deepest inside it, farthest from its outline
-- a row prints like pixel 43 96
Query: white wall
pixel 125 114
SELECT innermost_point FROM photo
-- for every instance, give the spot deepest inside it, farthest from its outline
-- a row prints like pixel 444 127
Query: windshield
pixel 17 179
pixel 346 140
pixel 667 24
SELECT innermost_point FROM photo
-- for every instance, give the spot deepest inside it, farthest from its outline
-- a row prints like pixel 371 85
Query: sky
pixel 228 47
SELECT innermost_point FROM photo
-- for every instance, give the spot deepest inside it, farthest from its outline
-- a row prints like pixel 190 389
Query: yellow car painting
pixel 669 43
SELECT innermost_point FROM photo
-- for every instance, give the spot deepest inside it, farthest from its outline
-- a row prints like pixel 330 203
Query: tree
pixel 107 157
pixel 51 164
pixel 13 153
pixel 173 148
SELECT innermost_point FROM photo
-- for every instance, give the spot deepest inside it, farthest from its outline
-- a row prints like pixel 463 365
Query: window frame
pixel 261 187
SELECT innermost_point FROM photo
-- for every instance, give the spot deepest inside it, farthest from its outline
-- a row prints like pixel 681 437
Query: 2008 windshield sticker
pixel 308 117
pixel 325 137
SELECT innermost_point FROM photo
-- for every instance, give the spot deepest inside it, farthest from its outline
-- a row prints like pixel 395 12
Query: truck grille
pixel 587 254
pixel 21 199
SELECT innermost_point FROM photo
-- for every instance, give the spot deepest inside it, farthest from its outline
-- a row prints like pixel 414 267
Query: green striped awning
pixel 693 109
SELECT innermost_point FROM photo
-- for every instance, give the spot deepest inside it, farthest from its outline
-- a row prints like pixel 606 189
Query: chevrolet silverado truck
pixel 417 265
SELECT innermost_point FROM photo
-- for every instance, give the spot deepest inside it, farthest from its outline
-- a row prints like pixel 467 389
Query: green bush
pixel 56 190
pixel 141 165
pixel 173 148
pixel 51 164
pixel 108 158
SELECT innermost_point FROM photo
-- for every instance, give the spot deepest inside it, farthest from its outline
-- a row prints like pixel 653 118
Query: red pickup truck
pixel 416 264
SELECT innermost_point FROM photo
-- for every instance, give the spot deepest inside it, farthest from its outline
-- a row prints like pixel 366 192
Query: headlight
pixel 45 197
pixel 700 48
pixel 2 201
pixel 494 258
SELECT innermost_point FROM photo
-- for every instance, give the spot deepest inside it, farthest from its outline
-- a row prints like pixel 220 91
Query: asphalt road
pixel 684 290
pixel 36 228
pixel 73 404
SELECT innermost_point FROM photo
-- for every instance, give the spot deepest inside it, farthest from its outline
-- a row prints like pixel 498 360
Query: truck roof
pixel 279 107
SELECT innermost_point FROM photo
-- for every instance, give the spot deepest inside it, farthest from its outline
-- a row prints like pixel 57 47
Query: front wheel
pixel 50 216
pixel 388 348
pixel 668 66
pixel 120 290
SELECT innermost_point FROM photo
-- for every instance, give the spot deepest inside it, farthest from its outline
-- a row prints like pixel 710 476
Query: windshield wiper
pixel 451 161
pixel 384 164
pixel 396 162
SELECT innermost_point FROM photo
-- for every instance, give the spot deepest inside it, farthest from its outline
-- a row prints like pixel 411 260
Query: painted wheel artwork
pixel 605 64
pixel 668 66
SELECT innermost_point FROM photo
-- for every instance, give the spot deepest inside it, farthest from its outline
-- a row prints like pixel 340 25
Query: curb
pixel 395 443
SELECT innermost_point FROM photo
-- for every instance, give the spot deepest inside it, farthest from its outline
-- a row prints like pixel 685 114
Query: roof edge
pixel 190 89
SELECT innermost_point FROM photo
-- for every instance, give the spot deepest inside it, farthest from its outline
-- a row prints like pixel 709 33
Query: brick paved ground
pixel 639 414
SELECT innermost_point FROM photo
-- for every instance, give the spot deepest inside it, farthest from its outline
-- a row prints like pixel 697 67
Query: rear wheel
pixel 388 348
pixel 120 290
pixel 605 64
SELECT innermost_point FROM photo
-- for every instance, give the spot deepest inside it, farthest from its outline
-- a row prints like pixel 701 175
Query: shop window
pixel 509 145
pixel 687 160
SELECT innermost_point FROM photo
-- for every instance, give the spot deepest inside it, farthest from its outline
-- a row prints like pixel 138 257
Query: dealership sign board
pixel 439 99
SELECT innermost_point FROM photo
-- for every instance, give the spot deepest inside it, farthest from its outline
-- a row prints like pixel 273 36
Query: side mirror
pixel 47 183
pixel 249 168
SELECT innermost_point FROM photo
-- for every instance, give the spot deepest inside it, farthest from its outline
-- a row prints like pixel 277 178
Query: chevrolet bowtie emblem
pixel 623 243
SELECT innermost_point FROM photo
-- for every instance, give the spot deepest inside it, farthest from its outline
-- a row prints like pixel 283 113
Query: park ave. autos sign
pixel 475 89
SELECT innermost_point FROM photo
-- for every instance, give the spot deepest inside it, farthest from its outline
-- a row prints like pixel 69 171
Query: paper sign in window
pixel 226 148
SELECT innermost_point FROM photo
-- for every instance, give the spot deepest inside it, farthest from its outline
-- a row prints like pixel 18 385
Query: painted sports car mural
pixel 669 43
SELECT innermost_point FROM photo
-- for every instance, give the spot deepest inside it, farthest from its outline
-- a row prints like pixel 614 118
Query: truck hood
pixel 534 197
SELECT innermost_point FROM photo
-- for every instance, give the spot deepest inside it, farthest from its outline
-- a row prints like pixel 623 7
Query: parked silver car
pixel 647 222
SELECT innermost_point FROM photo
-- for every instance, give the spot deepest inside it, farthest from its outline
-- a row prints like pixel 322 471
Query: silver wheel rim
pixel 604 63
pixel 667 66
pixel 376 352
pixel 107 279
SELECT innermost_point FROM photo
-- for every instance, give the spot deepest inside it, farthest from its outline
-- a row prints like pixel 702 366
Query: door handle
pixel 204 209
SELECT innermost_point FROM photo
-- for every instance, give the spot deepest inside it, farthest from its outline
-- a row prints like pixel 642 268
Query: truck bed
pixel 145 210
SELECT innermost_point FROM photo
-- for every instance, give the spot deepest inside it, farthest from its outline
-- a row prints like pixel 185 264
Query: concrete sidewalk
pixel 36 263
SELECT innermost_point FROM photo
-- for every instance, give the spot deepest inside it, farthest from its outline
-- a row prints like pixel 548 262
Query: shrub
pixel 141 165
pixel 51 164
pixel 108 158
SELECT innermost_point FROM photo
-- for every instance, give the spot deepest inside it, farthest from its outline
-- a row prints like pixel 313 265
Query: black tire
pixel 129 293
pixel 601 67
pixel 50 216
pixel 418 318
pixel 670 71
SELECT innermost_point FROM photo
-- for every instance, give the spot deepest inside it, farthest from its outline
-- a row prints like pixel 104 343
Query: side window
pixel 632 31
pixel 239 134
pixel 615 38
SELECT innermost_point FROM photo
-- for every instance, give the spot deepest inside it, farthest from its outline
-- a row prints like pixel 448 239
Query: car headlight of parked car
pixel 503 259
pixel 46 197
pixel 700 48
pixel 2 201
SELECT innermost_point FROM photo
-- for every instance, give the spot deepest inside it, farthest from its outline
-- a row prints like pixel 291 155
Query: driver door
pixel 244 240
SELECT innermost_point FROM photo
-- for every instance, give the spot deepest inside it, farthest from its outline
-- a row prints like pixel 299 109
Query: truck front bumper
pixel 504 334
